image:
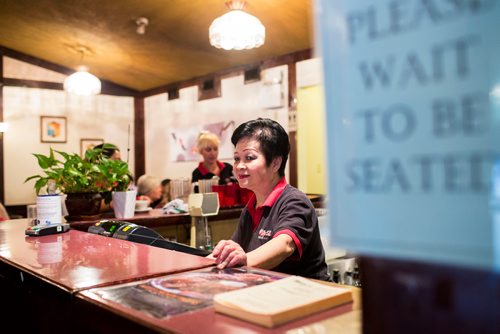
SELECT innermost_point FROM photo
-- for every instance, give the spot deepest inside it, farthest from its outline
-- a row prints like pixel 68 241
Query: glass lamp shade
pixel 237 30
pixel 82 83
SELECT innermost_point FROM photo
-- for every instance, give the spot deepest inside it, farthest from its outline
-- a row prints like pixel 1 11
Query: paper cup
pixel 48 210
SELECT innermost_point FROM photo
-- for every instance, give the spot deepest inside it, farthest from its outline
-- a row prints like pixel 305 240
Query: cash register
pixel 135 233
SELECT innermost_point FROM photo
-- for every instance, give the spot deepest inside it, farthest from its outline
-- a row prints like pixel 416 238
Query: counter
pixel 34 270
pixel 46 285
pixel 176 226
pixel 156 218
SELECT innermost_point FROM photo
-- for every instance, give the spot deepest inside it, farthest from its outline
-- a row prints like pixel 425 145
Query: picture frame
pixel 89 143
pixel 53 129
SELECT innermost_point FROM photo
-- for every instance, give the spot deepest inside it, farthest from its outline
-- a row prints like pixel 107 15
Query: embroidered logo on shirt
pixel 263 234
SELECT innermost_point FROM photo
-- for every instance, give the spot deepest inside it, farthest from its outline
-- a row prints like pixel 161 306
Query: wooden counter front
pixel 156 218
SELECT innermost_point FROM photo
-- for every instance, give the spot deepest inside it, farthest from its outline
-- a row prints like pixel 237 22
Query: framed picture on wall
pixel 89 143
pixel 53 129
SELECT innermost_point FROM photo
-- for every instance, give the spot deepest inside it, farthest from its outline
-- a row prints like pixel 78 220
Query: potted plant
pixel 85 180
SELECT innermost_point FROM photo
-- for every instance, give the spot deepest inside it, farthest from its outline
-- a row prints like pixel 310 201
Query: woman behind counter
pixel 208 147
pixel 278 228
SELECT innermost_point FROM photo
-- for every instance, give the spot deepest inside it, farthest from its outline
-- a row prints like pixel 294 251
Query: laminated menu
pixel 281 301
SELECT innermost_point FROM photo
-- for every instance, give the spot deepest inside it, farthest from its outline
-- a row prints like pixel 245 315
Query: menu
pixel 179 293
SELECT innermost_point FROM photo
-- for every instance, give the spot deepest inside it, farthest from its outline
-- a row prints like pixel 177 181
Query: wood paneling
pixel 174 48
pixel 402 296
pixel 139 142
pixel 2 183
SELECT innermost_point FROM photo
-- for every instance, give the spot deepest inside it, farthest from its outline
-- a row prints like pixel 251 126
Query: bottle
pixel 356 281
pixel 348 277
pixel 336 276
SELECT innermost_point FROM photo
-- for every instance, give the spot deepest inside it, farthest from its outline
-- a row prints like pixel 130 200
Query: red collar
pixel 256 212
pixel 205 171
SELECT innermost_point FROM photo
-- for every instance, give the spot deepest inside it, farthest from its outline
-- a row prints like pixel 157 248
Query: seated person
pixel 278 228
pixel 165 192
pixel 3 213
pixel 208 147
pixel 149 188
pixel 110 151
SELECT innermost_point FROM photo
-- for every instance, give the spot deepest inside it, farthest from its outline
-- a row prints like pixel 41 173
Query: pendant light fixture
pixel 236 30
pixel 82 82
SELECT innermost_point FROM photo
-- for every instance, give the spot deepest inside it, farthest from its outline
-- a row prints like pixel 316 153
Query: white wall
pixel 238 102
pixel 108 117
pixel 103 116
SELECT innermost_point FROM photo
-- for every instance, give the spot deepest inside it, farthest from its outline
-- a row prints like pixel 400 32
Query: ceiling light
pixel 4 126
pixel 236 30
pixel 82 82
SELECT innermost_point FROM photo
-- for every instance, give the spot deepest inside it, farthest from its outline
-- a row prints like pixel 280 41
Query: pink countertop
pixel 77 260
pixel 174 314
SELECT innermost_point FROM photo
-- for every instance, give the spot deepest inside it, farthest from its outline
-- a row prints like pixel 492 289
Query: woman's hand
pixel 228 253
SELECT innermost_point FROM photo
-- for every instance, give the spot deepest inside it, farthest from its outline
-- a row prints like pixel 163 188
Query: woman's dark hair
pixel 107 149
pixel 272 137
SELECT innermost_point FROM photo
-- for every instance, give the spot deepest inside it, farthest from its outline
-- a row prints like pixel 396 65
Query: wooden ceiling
pixel 174 48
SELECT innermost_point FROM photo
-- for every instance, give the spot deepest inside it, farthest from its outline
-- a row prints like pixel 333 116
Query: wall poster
pixel 53 129
pixel 88 144
pixel 183 143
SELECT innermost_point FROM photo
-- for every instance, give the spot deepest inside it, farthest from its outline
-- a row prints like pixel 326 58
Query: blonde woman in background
pixel 208 147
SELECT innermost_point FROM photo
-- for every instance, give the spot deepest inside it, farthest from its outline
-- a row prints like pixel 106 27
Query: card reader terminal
pixel 38 230
pixel 132 232
pixel 106 228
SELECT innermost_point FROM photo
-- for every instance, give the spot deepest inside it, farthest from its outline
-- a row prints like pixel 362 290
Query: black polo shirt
pixel 286 211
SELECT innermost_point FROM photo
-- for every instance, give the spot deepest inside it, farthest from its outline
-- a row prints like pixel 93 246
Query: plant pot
pixel 124 203
pixel 83 206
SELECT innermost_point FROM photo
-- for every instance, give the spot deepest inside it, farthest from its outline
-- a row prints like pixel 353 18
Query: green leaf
pixel 92 173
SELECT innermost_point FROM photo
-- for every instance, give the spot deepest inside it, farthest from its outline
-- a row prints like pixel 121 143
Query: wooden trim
pixel 139 138
pixel 292 107
pixel 251 75
pixel 173 93
pixel 34 61
pixel 234 71
pixel 108 87
pixel 17 211
pixel 32 84
pixel 204 92
pixel 2 183
pixel 292 159
pixel 427 297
